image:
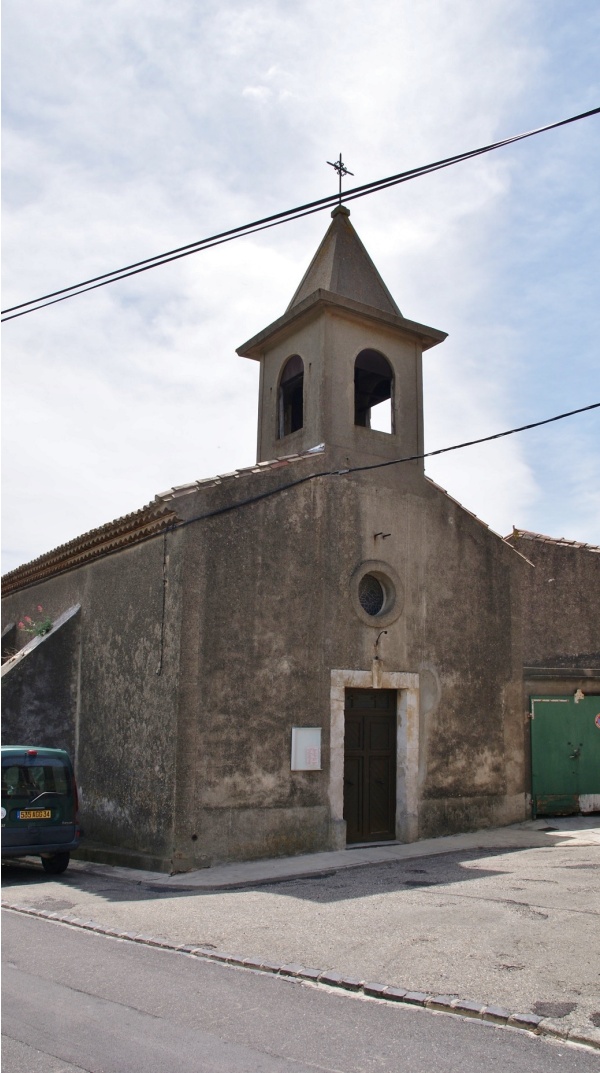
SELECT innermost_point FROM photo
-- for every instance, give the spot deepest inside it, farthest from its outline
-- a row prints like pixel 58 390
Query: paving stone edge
pixel 528 1022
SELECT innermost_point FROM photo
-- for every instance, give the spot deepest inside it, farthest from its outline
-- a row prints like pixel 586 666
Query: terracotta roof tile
pixel 540 538
pixel 131 529
pixel 234 475
pixel 123 532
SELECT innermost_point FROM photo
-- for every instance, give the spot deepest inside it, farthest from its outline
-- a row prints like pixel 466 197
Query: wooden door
pixel 370 765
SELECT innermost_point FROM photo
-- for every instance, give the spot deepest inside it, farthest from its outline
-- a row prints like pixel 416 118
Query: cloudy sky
pixel 135 126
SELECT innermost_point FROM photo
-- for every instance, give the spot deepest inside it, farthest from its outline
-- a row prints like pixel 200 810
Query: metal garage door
pixel 565 755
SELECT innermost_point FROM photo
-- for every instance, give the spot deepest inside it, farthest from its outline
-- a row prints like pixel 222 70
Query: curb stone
pixel 467 1008
pixel 291 970
pixel 496 1014
pixel 440 1002
pixel 311 974
pixel 527 1022
pixel 415 998
pixel 394 994
pixel 374 990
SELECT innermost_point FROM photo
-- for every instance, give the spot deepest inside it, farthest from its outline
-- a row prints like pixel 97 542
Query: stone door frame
pixel 407 746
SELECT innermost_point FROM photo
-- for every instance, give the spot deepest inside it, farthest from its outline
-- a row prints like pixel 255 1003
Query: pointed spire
pixel 342 265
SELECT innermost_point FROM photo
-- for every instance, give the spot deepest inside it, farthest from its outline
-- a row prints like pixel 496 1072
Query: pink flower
pixel 28 620
pixel 21 625
pixel 39 607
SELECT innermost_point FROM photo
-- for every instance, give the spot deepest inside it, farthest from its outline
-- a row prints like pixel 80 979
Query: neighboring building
pixel 561 612
pixel 323 648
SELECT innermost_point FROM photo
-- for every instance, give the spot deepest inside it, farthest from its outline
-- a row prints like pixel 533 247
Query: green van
pixel 39 805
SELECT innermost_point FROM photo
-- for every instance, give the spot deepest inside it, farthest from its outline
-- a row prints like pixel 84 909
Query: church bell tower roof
pixel 341 275
pixel 342 266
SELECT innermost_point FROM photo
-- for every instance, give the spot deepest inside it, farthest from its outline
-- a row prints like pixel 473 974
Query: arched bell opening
pixel 291 397
pixel 373 391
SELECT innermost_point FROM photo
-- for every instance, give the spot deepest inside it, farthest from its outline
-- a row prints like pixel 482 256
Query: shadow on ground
pixel 362 881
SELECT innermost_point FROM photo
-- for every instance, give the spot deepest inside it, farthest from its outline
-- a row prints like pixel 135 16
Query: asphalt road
pixel 74 1001
pixel 519 929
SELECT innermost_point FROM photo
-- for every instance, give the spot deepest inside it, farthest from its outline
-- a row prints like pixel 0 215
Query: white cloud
pixel 259 93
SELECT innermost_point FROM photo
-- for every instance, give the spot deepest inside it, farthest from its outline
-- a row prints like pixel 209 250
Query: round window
pixel 371 594
pixel 376 592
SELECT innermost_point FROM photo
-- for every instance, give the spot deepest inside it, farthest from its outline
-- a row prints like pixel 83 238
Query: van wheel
pixel 56 864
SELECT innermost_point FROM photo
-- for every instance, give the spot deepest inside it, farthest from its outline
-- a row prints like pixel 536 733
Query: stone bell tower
pixel 341 353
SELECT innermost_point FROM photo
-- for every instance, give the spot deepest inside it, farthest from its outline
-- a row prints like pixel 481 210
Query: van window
pixel 28 777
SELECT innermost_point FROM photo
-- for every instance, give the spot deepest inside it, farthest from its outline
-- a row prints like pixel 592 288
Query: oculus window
pixel 371 594
pixel 376 592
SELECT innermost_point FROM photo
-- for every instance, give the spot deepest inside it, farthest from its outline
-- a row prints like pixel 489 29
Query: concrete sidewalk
pixel 569 830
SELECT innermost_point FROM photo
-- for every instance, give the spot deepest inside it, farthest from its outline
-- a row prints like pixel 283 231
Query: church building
pixel 322 650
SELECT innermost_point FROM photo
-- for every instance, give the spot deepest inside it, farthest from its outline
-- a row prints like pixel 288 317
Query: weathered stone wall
pixel 121 730
pixel 468 641
pixel 561 602
pixel 269 613
pixel 460 630
pixel 253 665
pixel 192 765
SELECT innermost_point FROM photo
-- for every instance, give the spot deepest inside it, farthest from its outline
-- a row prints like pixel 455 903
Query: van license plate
pixel 34 814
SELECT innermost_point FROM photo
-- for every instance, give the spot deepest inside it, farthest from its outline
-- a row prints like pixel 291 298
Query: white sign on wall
pixel 306 748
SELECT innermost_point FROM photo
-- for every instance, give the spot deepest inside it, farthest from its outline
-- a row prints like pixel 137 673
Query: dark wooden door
pixel 370 765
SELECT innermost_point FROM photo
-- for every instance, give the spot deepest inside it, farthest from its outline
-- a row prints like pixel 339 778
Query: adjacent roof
pixel 562 542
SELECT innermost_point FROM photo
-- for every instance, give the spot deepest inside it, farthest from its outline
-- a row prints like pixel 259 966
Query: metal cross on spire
pixel 342 171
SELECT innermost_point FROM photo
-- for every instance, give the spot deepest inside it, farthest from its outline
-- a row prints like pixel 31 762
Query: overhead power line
pixel 270 492
pixel 287 215
pixel 376 465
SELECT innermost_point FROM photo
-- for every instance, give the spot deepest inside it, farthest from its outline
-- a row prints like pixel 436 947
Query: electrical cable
pixel 156 264
pixel 269 493
pixel 379 465
pixel 271 221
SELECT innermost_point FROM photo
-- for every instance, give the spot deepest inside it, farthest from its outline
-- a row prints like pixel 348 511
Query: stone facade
pixel 232 610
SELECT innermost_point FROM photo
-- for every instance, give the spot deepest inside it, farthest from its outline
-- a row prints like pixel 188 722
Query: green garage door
pixel 565 755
